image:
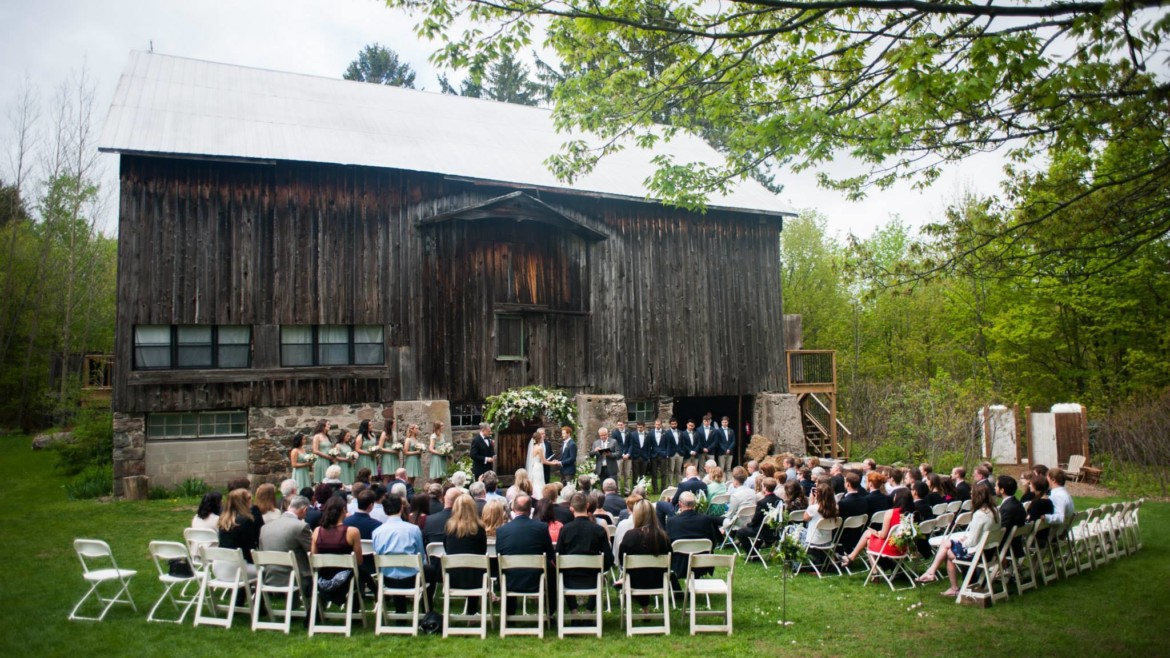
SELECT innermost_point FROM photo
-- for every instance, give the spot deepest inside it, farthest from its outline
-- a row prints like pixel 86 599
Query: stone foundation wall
pixel 595 412
pixel 215 461
pixel 129 447
pixel 271 431
pixel 777 416
pixel 425 413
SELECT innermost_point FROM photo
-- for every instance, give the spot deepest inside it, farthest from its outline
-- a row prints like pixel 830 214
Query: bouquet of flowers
pixel 396 446
pixel 587 466
pixel 444 448
pixel 774 517
pixel 904 534
pixel 374 450
pixel 309 457
pixel 335 451
pixel 352 456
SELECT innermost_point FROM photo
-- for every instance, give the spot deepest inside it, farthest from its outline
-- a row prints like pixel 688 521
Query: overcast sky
pixel 48 40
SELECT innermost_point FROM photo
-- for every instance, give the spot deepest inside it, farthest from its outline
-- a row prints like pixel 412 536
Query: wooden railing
pixel 812 371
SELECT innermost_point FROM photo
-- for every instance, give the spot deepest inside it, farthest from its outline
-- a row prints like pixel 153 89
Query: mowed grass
pixel 1121 608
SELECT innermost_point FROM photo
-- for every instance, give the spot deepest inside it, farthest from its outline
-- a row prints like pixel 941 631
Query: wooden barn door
pixel 512 444
pixel 1068 436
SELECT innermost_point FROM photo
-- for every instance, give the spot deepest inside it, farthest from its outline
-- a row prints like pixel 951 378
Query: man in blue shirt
pixel 397 537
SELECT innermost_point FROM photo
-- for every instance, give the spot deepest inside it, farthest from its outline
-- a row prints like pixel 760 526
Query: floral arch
pixel 528 403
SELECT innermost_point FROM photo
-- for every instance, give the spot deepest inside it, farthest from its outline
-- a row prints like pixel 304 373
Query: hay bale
pixel 758 448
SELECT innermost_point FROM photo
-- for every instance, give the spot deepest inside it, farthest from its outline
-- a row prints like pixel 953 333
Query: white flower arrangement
pixel 335 451
pixel 528 403
pixel 587 466
pixel 644 483
pixel 774 517
pixel 396 446
pixel 444 448
pixel 904 534
pixel 309 457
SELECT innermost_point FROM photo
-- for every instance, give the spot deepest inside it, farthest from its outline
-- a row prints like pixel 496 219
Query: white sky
pixel 48 40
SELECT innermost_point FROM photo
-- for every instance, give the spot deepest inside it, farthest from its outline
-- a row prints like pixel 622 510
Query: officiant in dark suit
pixel 483 451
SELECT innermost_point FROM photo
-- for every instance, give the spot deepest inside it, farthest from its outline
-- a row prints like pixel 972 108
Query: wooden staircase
pixel 812 375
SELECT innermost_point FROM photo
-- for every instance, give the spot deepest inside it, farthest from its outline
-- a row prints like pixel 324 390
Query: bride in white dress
pixel 537 460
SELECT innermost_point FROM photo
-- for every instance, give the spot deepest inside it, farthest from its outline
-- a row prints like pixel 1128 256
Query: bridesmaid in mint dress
pixel 300 467
pixel 362 445
pixel 346 460
pixel 321 446
pixel 412 449
pixel 390 459
pixel 438 466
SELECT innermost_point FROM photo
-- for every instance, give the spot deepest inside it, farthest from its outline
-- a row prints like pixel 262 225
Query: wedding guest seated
pixel 358 487
pixel 794 498
pixel 398 537
pixel 436 492
pixel 1041 504
pixel 880 541
pixel 333 537
pixel 581 536
pixel 238 528
pixel 478 493
pixel 399 489
pixel 288 489
pixel 753 470
pixel 524 535
pixel 708 466
pixel 625 522
pixel 333 477
pixel 806 482
pixel 363 476
pixel 1063 508
pixel 741 496
pixel 585 484
pixel 550 493
pixel 420 508
pixel 822 506
pixel 464 535
pixel 790 472
pixel 690 524
pixel 599 513
pixel 366 525
pixel 876 500
pixel 716 488
pixel 959 480
pixel 923 510
pixel 546 512
pixel 321 494
pixel 837 478
pixel 521 485
pixel 494 516
pixel 265 502
pixel 935 497
pixel 646 538
pixel 984 517
pixel 746 534
pixel 289 532
pixel 1011 511
pixel 435 528
pixel 691 483
pixel 926 469
pixel 400 477
pixel 852 504
pixel 612 503
pixel 207 516
pixel 491 484
pixel 562 510
pixel 947 487
pixel 1038 469
pixel 983 477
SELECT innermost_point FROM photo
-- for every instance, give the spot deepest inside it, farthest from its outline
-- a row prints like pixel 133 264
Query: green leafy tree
pixel 380 65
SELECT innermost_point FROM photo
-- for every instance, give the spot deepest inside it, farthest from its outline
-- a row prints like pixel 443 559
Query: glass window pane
pixel 333 334
pixel 152 335
pixel 234 356
pixel 296 355
pixel 369 333
pixel 152 357
pixel 367 355
pixel 296 334
pixel 235 335
pixel 194 357
pixel 195 335
pixel 332 355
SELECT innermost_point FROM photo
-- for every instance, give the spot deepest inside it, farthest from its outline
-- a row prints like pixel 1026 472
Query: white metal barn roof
pixel 177 106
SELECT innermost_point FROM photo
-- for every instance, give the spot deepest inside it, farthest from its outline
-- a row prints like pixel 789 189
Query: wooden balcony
pixel 812 371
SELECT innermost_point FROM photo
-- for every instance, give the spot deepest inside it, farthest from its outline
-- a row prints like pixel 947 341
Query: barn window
pixel 197 425
pixel 331 345
pixel 510 337
pixel 642 411
pixel 466 415
pixel 160 347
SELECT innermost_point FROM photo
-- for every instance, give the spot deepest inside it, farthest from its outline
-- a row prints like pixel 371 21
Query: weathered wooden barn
pixel 294 247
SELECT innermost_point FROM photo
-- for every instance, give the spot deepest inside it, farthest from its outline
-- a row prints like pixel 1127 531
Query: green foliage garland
pixel 528 403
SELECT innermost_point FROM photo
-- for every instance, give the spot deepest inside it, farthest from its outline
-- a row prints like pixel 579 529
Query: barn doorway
pixel 512 445
pixel 737 408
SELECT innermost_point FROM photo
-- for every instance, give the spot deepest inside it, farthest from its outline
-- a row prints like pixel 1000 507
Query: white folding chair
pixel 939 510
pixel 827 548
pixel 196 539
pixel 721 499
pixel 1020 563
pixel 742 518
pixel 754 546
pixel 1135 523
pixel 232 578
pixel 507 563
pixel 690 547
pixel 593 562
pixel 386 595
pixel 482 592
pixel 943 523
pixel 96 550
pixel 980 574
pixel 955 506
pixel 633 563
pixel 879 571
pixel 277 566
pixel 708 587
pixel 319 612
pixel 162 552
pixel 668 493
pixel 851 523
pixel 962 520
pixel 966 506
pixel 1047 562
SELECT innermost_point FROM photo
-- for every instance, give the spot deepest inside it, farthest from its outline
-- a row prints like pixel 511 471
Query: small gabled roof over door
pixel 520 207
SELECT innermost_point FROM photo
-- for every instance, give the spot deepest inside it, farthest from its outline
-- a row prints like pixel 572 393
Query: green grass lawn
pixel 1118 608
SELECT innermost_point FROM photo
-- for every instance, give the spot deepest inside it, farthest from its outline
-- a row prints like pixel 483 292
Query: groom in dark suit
pixel 568 456
pixel 483 451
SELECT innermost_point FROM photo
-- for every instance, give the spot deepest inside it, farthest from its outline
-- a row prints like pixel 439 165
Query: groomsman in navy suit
pixel 674 468
pixel 708 444
pixel 625 464
pixel 726 446
pixel 641 451
pixel 663 449
pixel 690 444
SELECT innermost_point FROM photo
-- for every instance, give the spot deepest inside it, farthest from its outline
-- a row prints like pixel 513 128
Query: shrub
pixel 191 488
pixel 93 482
pixel 93 443
pixel 160 493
